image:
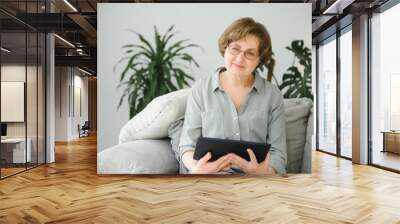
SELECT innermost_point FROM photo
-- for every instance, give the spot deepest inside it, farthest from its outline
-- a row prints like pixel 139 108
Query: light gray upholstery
pixel 307 157
pixel 299 126
pixel 138 157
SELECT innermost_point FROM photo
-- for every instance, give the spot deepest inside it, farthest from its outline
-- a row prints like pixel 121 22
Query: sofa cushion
pixel 138 157
pixel 297 113
pixel 153 121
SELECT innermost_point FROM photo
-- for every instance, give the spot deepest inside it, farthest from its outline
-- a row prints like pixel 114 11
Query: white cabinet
pixel 17 146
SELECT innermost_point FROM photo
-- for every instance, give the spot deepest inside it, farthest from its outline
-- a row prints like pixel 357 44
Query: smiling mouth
pixel 240 66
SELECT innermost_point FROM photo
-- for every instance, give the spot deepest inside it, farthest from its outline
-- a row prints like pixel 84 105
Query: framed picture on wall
pixel 12 101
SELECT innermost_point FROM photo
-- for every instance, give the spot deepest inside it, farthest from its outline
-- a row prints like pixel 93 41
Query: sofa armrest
pixel 307 156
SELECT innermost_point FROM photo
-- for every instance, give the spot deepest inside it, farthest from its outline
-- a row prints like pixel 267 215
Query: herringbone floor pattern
pixel 70 191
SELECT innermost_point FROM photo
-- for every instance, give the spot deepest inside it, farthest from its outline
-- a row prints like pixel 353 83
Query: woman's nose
pixel 240 56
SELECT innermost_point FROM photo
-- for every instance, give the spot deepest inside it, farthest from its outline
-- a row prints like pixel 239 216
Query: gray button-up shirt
pixel 211 113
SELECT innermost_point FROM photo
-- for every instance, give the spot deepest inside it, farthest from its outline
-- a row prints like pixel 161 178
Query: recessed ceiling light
pixel 84 71
pixel 5 50
pixel 70 5
pixel 338 6
pixel 64 40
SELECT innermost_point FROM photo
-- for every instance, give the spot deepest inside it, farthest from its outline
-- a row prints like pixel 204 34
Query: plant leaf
pixel 152 68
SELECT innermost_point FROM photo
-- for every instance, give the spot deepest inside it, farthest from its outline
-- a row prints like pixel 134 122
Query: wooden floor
pixel 387 159
pixel 70 191
pixel 10 171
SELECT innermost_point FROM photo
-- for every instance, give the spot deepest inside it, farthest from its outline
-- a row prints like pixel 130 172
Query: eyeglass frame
pixel 244 53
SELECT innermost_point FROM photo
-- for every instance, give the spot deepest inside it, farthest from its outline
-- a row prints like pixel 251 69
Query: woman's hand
pixel 205 167
pixel 252 166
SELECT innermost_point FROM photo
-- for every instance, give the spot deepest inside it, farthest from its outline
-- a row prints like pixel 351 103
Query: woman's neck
pixel 243 81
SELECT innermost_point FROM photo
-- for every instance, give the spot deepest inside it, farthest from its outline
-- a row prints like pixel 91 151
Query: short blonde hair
pixel 244 27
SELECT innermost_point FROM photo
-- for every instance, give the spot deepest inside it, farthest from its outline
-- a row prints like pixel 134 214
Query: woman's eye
pixel 235 49
pixel 251 54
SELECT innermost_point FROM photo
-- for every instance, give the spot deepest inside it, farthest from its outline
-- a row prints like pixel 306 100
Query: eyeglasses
pixel 249 54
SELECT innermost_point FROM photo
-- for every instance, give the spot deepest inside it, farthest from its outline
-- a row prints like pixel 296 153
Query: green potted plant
pixel 294 83
pixel 152 70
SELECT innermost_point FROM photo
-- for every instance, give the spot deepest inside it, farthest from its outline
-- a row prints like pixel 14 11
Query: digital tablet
pixel 220 147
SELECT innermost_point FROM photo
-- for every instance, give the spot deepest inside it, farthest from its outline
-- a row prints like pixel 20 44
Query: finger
pixel 223 164
pixel 205 158
pixel 252 156
pixel 267 160
pixel 229 155
pixel 227 167
pixel 223 158
pixel 239 161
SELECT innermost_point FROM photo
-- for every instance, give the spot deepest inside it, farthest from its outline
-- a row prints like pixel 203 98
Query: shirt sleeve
pixel 277 134
pixel 192 127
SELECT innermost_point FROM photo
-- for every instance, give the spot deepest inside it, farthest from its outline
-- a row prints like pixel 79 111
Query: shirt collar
pixel 257 85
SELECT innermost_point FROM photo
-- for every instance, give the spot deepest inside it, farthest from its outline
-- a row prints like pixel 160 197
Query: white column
pixel 50 94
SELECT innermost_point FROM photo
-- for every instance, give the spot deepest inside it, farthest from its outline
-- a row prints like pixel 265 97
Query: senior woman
pixel 235 103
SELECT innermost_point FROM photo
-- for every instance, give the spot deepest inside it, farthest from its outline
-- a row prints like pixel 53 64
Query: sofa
pixel 146 145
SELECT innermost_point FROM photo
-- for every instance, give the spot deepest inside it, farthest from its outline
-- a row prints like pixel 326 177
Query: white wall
pixel 80 83
pixel 67 80
pixel 61 103
pixel 202 24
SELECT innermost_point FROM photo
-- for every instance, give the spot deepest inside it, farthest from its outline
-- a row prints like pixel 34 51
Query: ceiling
pixel 76 22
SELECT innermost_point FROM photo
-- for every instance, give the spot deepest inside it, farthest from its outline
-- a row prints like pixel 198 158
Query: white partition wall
pixel 23 87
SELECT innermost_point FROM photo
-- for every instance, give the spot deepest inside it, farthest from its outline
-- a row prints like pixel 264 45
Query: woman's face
pixel 242 57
